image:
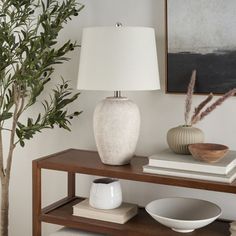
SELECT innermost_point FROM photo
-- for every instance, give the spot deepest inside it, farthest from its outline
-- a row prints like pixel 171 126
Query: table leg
pixel 37 201
pixel 71 184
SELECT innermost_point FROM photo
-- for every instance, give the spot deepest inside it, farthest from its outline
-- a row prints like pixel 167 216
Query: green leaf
pixel 22 143
pixel 38 119
pixel 5 116
pixel 18 133
pixel 21 126
pixel 30 122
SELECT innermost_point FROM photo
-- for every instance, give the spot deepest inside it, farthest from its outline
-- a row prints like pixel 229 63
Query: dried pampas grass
pixel 198 109
pixel 198 114
pixel 188 101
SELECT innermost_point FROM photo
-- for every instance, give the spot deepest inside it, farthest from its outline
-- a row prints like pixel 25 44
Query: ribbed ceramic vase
pixel 180 137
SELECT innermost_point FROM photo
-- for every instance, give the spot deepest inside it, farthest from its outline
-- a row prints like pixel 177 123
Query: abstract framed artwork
pixel 201 35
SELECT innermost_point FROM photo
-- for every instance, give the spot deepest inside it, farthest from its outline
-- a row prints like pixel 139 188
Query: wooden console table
pixel 75 161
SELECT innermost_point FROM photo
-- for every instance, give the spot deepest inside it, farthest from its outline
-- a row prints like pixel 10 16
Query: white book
pixel 118 215
pixel 73 232
pixel 229 178
pixel 168 159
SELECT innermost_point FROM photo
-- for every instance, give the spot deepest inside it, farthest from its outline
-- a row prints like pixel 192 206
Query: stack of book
pixel 118 215
pixel 171 164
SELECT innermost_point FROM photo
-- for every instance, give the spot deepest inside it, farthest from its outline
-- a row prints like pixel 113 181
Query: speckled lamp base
pixel 116 130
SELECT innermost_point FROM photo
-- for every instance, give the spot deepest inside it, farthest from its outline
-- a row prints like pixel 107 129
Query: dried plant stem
pixel 199 108
pixel 217 103
pixel 188 101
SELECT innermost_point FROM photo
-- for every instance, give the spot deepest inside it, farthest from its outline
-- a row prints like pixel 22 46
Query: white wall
pixel 159 112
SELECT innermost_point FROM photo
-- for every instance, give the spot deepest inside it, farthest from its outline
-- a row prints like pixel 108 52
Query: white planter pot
pixel 180 137
pixel 105 193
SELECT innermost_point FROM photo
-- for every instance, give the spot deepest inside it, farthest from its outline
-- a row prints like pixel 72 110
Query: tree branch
pixel 1 157
pixel 19 112
pixel 6 129
pixel 13 129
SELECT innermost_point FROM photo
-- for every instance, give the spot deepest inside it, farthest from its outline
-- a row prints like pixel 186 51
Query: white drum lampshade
pixel 117 59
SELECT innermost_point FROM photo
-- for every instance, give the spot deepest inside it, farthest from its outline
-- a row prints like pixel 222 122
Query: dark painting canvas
pixel 201 35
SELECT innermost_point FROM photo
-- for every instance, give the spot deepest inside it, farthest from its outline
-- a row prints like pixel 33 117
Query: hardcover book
pixel 73 232
pixel 168 159
pixel 229 178
pixel 119 215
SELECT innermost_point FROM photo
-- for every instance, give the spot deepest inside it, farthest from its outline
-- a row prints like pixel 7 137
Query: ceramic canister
pixel 105 193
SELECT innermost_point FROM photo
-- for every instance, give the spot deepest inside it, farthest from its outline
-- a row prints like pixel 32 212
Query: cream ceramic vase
pixel 180 137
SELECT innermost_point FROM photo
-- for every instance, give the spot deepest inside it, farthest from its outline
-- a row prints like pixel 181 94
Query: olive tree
pixel 29 50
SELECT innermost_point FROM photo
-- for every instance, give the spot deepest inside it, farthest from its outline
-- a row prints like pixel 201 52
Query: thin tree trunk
pixel 6 172
pixel 5 193
pixel 4 207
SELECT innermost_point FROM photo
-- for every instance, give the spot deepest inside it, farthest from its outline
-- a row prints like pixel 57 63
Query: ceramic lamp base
pixel 116 130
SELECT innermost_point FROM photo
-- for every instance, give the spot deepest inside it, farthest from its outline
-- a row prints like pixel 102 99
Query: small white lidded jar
pixel 105 193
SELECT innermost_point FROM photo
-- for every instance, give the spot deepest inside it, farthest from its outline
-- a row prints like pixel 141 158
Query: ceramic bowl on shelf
pixel 183 215
pixel 208 152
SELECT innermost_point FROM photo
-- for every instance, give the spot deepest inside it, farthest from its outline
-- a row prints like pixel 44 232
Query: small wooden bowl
pixel 208 152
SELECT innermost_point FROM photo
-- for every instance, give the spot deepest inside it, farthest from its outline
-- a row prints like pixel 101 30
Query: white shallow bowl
pixel 183 214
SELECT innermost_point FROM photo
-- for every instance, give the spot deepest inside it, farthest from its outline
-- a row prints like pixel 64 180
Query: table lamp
pixel 117 59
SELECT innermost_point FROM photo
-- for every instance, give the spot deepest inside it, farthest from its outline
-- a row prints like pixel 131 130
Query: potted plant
pixel 28 52
pixel 178 138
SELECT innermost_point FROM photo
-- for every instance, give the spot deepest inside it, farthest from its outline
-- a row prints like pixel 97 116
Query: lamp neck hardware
pixel 117 94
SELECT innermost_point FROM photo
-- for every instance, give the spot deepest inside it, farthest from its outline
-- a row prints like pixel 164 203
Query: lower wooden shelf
pixel 141 225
